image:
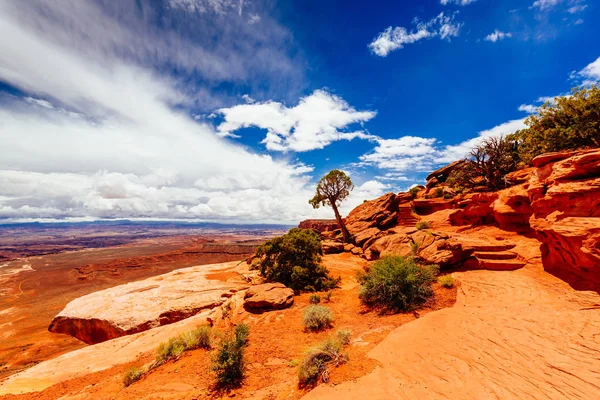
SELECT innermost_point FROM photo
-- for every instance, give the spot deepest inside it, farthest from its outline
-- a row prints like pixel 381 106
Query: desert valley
pixel 299 200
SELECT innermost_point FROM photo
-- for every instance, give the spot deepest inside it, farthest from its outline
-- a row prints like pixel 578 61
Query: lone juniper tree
pixel 332 189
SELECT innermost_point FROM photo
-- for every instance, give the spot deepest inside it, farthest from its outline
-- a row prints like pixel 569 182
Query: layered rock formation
pixel 268 296
pixel 139 306
pixel 557 200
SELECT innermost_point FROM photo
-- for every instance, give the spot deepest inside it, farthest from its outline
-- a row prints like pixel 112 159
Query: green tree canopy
pixel 332 189
pixel 570 123
pixel 294 259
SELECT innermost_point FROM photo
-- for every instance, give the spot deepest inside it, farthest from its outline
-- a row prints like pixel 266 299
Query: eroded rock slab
pixel 139 306
pixel 269 296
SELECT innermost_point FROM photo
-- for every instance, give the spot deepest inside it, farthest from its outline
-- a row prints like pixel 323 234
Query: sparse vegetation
pixel 170 350
pixel 414 248
pixel 568 123
pixel 314 299
pixel 343 335
pixel 438 192
pixel 132 375
pixel 228 362
pixel 294 259
pixel 396 283
pixel 317 317
pixel 319 359
pixel 332 189
pixel 446 281
pixel 327 296
pixel 198 338
pixel 423 225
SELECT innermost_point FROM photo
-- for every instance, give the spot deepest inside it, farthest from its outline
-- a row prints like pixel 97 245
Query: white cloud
pixel 457 2
pixel 254 19
pixel 497 35
pixel 545 4
pixel 102 135
pixel 577 8
pixel 395 38
pixel 591 73
pixel 528 108
pixel 314 123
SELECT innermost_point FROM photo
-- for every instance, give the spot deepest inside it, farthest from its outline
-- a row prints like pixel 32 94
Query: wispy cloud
pixel 457 2
pixel 545 4
pixel 442 26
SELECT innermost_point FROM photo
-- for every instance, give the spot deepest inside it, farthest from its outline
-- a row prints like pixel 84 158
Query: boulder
pixel 331 247
pixel 394 244
pixel 429 206
pixel 442 250
pixel 142 305
pixel 269 296
pixel 443 173
pixel 512 209
pixel 475 209
pixel 361 237
pixel 379 213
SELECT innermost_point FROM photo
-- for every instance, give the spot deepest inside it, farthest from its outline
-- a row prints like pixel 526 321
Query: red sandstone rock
pixel 142 305
pixel 269 296
pixel 475 209
pixel 379 213
pixel 429 206
pixel 319 225
pixel 331 247
pixel 512 209
pixel 443 173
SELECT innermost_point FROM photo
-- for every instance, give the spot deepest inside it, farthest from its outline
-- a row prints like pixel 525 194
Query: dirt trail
pixel 511 335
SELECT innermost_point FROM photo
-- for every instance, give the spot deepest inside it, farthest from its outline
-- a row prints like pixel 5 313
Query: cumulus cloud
pixel 101 132
pixel 442 26
pixel 315 122
pixel 497 35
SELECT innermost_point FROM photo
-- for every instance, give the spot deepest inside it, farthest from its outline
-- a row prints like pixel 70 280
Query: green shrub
pixel 317 361
pixel 198 338
pixel 228 362
pixel 414 248
pixel 423 225
pixel 132 375
pixel 438 192
pixel 448 196
pixel 396 283
pixel 569 123
pixel 446 281
pixel 343 335
pixel 294 259
pixel 413 191
pixel 314 299
pixel 316 317
pixel 241 332
pixel 170 350
pixel 327 297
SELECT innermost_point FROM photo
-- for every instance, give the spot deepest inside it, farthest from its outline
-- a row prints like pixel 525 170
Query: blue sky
pixel 231 110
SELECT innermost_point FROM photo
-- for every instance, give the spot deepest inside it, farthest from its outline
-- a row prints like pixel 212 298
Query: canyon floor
pixel 33 289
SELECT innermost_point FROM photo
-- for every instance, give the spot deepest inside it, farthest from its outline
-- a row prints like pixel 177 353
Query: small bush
pixel 413 191
pixel 327 297
pixel 414 248
pixel 317 317
pixel 343 335
pixel 316 363
pixel 448 196
pixel 170 350
pixel 294 259
pixel 396 283
pixel 438 192
pixel 423 225
pixel 198 338
pixel 132 375
pixel 241 332
pixel 314 299
pixel 446 281
pixel 229 363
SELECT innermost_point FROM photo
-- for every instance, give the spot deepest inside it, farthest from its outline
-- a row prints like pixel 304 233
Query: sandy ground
pixel 277 342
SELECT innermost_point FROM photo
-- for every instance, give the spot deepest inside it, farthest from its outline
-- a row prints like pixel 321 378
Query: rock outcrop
pixel 139 306
pixel 319 225
pixel 379 213
pixel 268 296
